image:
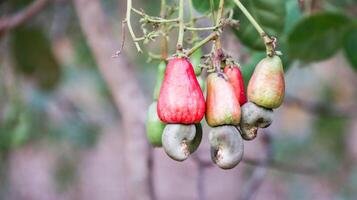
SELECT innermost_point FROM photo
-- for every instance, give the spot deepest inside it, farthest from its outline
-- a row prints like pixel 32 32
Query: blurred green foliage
pixel 324 38
pixel 269 14
pixel 33 56
pixel 328 30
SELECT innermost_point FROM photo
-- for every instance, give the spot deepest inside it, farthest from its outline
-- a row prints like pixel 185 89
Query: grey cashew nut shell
pixel 179 140
pixel 254 117
pixel 226 146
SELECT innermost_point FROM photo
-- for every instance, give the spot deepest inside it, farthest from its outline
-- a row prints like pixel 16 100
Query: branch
pixel 11 22
pixel 260 172
pixel 281 166
pixel 210 37
pixel 269 42
pixel 127 95
pixel 152 18
pixel 201 166
pixel 128 18
pixel 179 45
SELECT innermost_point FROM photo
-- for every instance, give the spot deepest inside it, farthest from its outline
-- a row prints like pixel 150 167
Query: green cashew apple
pixel 266 87
pixel 154 126
pixel 159 78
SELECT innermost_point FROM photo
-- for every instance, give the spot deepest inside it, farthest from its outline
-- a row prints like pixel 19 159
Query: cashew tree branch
pixel 127 95
pixel 15 20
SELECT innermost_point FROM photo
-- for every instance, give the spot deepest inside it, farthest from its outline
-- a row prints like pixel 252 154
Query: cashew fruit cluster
pixel 174 118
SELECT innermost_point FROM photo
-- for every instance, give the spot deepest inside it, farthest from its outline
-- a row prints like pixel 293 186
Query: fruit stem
pixel 128 17
pixel 217 47
pixel 210 37
pixel 218 22
pixel 179 45
pixel 268 42
pixel 154 19
pixel 164 42
pixel 194 29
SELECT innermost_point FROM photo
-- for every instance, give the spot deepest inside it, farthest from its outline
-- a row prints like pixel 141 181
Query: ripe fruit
pixel 235 78
pixel 159 78
pixel 254 117
pixel 267 86
pixel 181 99
pixel 196 60
pixel 226 146
pixel 222 105
pixel 154 126
pixel 180 140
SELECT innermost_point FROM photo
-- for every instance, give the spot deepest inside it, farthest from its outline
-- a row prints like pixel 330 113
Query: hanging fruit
pixel 254 117
pixel 154 126
pixel 235 78
pixel 222 104
pixel 181 99
pixel 180 140
pixel 226 146
pixel 159 78
pixel 266 87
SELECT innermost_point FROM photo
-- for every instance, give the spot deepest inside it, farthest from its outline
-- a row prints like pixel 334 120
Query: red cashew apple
pixel 222 104
pixel 235 78
pixel 181 100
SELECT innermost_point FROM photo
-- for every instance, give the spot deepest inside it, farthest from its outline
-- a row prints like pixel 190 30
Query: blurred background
pixel 72 117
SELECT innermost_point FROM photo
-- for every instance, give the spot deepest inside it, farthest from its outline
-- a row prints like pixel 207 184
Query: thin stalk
pixel 218 21
pixel 154 19
pixel 214 35
pixel 128 17
pixel 210 37
pixel 164 42
pixel 250 17
pixel 267 40
pixel 179 45
pixel 194 29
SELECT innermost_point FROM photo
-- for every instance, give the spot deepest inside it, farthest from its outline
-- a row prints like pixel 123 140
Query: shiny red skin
pixel 181 100
pixel 235 78
pixel 222 105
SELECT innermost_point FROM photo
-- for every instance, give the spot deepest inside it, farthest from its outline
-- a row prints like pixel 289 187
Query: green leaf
pixel 317 37
pixel 293 15
pixel 269 14
pixel 33 56
pixel 350 47
pixel 203 6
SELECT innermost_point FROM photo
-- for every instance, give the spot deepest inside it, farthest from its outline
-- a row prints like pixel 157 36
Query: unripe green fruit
pixel 254 117
pixel 154 126
pixel 195 61
pixel 159 78
pixel 180 140
pixel 267 86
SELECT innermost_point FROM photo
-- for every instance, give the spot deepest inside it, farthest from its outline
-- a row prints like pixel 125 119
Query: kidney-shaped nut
pixel 179 140
pixel 226 146
pixel 254 117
